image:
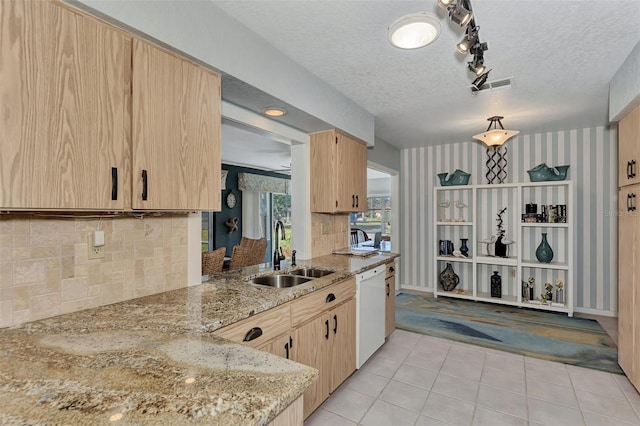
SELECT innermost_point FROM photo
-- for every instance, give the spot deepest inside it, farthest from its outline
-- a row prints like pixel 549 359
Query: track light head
pixel 470 39
pixel 476 67
pixel 445 3
pixel 478 82
pixel 459 14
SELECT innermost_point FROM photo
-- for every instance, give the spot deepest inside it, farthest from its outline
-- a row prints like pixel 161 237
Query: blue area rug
pixel 545 335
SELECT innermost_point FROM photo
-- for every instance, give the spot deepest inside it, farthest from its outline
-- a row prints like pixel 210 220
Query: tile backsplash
pixel 329 232
pixel 45 269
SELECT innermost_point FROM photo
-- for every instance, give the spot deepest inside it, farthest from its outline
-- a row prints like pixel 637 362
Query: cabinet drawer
pixel 310 306
pixel 259 328
pixel 391 269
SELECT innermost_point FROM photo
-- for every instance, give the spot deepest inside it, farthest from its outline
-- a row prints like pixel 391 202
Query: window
pixel 376 218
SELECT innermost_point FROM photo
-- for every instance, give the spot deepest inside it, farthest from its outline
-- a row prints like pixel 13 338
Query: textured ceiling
pixel 561 55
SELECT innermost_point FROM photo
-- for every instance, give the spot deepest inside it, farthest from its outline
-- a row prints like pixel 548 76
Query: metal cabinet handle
pixel 353 200
pixel 114 183
pixel 633 168
pixel 357 202
pixel 628 169
pixel 252 334
pixel 628 202
pixel 286 349
pixel 326 336
pixel 335 324
pixel 144 185
pixel 388 290
pixel 330 297
pixel 391 269
pixel 633 202
pixel 290 342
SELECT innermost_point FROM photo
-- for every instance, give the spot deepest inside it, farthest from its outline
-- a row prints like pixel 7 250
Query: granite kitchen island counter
pixel 156 359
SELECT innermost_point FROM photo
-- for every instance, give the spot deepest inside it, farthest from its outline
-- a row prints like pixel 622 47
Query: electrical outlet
pixel 94 252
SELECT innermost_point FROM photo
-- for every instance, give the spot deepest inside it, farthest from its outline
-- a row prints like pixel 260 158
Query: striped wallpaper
pixel 592 154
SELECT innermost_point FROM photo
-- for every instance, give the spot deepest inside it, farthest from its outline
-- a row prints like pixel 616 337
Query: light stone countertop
pixel 156 359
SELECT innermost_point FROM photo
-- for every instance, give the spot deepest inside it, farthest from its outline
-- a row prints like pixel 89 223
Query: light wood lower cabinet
pixel 328 343
pixel 290 416
pixel 281 346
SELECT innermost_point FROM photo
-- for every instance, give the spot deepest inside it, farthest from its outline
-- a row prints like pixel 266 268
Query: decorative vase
pixel 544 253
pixel 496 285
pixel 559 295
pixel 463 247
pixel 448 278
pixel 500 248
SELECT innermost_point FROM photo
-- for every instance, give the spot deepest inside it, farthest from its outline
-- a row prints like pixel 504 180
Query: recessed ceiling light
pixel 274 111
pixel 414 30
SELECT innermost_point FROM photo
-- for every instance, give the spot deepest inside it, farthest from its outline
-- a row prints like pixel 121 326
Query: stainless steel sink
pixel 311 272
pixel 281 281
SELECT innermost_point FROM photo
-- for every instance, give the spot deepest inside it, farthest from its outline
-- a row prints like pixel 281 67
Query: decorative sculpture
pixel 542 173
pixel 456 178
pixel 232 224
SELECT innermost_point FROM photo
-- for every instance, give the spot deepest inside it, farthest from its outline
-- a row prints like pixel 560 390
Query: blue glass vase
pixel 544 253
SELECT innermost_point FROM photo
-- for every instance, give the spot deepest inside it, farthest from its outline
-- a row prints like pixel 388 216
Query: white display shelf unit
pixel 475 218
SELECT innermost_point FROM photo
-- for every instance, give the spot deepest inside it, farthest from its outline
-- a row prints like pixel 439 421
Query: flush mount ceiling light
pixel 495 136
pixel 274 111
pixel 414 30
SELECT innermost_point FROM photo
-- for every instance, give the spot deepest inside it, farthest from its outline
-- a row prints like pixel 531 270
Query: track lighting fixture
pixel 461 13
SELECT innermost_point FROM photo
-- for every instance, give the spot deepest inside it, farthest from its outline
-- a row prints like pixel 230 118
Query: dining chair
pixel 240 258
pixel 259 250
pixel 212 261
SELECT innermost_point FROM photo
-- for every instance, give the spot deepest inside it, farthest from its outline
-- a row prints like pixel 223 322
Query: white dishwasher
pixel 370 312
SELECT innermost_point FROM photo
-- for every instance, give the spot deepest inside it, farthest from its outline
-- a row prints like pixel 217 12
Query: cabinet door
pixel 176 132
pixel 390 306
pixel 311 346
pixel 343 351
pixel 63 109
pixel 629 148
pixel 281 346
pixel 359 158
pixel 627 247
pixel 346 173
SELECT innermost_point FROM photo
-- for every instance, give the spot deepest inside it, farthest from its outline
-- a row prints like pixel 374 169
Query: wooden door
pixel 345 172
pixel 323 174
pixel 281 346
pixel 343 350
pixel 63 109
pixel 311 347
pixel 359 159
pixel 176 132
pixel 629 148
pixel 627 249
pixel 390 306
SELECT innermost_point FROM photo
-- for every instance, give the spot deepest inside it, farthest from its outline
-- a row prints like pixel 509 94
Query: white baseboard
pixel 416 288
pixel 596 312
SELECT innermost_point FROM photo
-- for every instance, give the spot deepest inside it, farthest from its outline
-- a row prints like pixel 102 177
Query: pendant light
pixel 494 136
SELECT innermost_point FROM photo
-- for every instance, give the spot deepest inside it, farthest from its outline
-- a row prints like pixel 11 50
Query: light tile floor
pixel 421 380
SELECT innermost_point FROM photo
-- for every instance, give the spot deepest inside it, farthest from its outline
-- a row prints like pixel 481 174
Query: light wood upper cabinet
pixel 338 173
pixel 629 148
pixel 176 132
pixel 62 122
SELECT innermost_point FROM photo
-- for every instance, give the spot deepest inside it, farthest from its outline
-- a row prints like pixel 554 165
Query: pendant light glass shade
pixel 495 136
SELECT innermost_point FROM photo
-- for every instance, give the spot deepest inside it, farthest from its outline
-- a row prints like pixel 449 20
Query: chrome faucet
pixel 293 258
pixel 277 252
